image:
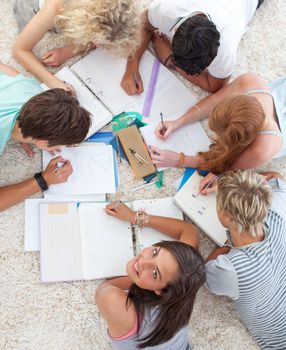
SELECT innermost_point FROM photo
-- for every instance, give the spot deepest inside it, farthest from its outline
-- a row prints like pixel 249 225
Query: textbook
pixel 97 77
pixel 79 241
pixel 189 139
pixel 201 209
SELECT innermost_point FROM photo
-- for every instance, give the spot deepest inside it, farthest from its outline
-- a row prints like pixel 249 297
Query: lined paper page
pixel 189 139
pixel 159 207
pixel 201 209
pixel 60 243
pixel 106 242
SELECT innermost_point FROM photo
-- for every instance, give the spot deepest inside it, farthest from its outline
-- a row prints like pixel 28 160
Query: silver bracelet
pixel 201 113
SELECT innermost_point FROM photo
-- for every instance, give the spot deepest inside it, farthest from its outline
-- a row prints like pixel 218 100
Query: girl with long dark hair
pixel 151 307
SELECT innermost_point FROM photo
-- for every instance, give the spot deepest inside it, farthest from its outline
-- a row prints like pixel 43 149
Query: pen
pixel 135 81
pixel 136 155
pixel 116 206
pixel 163 125
pixel 59 166
pixel 207 186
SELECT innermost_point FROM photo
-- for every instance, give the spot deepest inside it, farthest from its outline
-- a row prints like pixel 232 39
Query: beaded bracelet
pixel 141 218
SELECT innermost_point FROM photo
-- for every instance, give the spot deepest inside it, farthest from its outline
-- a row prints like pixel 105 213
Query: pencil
pixel 135 81
pixel 204 188
pixel 163 125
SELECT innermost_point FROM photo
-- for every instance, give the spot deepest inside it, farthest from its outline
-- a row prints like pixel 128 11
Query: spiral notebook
pixel 97 77
pixel 79 241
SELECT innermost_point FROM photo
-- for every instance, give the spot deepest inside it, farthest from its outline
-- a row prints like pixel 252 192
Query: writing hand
pixel 120 211
pixel 163 131
pixel 163 158
pixel 132 83
pixel 204 188
pixel 52 176
pixel 271 174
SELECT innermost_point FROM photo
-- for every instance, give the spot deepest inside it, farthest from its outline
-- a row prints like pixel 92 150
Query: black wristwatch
pixel 41 181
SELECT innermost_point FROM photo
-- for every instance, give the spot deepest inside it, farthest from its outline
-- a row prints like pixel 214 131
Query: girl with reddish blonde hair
pixel 248 121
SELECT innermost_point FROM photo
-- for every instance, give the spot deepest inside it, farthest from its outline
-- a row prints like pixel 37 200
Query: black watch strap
pixel 41 181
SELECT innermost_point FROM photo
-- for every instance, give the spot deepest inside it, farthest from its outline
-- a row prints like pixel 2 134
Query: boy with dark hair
pixel 47 119
pixel 198 38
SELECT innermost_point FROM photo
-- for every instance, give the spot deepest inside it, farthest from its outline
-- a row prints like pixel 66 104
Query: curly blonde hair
pixel 113 24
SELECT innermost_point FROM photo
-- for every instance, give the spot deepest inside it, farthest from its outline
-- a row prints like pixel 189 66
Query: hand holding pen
pixel 165 128
pixel 120 211
pixel 131 82
pixel 208 184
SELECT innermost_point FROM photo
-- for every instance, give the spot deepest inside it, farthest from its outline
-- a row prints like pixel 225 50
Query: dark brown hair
pixel 235 122
pixel 175 304
pixel 55 116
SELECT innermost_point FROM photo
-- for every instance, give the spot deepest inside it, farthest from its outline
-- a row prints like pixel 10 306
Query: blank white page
pixel 60 242
pixel 93 170
pixel 201 209
pixel 32 215
pixel 158 207
pixel 106 242
pixel 103 74
pixel 189 139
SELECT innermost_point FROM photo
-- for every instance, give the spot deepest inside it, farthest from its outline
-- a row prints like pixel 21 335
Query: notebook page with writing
pixel 189 139
pixel 100 116
pixel 60 254
pixel 201 209
pixel 158 207
pixel 93 170
pixel 106 242
pixel 103 74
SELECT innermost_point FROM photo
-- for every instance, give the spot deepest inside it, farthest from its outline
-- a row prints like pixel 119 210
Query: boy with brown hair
pixel 48 119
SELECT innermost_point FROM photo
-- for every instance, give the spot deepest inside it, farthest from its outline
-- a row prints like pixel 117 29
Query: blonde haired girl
pixel 112 24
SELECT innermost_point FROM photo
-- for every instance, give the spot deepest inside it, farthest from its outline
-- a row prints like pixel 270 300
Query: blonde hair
pixel 246 197
pixel 114 24
pixel 235 122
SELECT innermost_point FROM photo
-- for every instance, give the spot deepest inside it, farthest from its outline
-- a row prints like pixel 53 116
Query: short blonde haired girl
pixel 245 197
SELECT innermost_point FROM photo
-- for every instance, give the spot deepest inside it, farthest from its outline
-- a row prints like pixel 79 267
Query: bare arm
pixel 29 37
pixel 13 194
pixel 4 68
pixel 132 68
pixel 205 81
pixel 178 229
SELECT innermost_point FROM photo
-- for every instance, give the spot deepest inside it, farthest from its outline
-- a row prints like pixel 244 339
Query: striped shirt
pixel 257 280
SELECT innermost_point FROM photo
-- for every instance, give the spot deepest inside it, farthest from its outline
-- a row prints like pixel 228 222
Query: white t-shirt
pixel 230 17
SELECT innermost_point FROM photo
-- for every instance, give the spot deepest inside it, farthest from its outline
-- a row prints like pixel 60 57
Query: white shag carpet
pixel 64 316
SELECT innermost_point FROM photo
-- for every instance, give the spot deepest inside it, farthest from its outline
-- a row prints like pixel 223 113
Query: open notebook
pixel 94 170
pixel 201 209
pixel 96 79
pixel 189 139
pixel 81 241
